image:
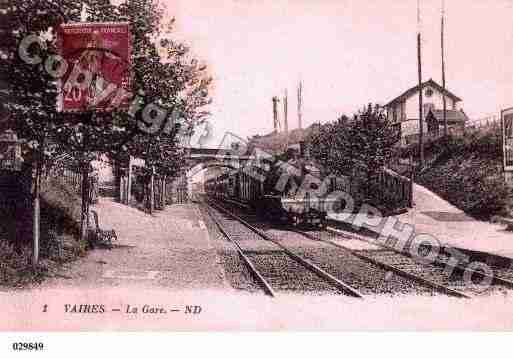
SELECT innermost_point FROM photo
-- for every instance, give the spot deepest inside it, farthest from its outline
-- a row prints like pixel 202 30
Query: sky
pixel 347 53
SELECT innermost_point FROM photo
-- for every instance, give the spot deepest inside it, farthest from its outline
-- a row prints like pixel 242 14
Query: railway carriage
pixel 237 186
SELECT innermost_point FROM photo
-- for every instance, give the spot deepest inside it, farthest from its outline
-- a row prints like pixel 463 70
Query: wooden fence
pixel 166 191
pixel 181 195
pixel 349 185
pixel 73 179
pixel 395 189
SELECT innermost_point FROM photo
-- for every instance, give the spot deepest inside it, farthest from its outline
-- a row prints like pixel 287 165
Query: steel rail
pixel 266 286
pixel 314 268
pixel 498 280
pixel 390 267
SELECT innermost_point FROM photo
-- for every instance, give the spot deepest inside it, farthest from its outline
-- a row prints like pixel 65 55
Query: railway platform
pixel 452 227
pixel 170 249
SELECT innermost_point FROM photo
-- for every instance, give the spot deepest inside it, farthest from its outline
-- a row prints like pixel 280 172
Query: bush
pixel 468 173
pixel 60 208
pixel 492 198
pixel 60 216
pixel 15 267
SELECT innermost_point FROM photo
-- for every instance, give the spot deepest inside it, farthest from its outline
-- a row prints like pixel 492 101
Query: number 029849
pixel 27 346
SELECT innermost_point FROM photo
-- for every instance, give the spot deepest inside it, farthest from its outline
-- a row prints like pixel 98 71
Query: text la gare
pixel 145 309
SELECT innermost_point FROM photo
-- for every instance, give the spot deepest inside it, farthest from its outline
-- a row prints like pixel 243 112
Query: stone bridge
pixel 201 158
pixel 196 160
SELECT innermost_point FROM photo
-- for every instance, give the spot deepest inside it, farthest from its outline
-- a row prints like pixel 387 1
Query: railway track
pixel 263 282
pixel 276 265
pixel 437 272
pixel 392 266
pixel 348 267
pixel 400 264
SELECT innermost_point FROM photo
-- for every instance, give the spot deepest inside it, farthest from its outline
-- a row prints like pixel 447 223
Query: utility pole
pixel 286 118
pixel 443 68
pixel 300 105
pixel 419 62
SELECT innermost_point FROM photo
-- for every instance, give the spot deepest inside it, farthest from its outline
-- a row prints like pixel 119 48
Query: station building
pixel 404 112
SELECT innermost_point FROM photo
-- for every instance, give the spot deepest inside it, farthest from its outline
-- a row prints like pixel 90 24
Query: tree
pixel 168 75
pixel 31 90
pixel 165 76
pixel 362 144
pixel 372 142
pixel 329 145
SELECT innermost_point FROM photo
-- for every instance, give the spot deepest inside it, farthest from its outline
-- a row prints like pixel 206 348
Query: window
pixel 426 107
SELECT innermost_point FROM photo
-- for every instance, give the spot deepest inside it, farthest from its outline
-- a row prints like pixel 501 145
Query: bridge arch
pixel 209 164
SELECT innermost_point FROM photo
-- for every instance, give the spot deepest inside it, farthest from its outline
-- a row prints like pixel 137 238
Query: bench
pixel 103 236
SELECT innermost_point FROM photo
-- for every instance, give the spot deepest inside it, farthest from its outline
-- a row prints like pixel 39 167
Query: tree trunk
pixel 152 190
pixel 162 201
pixel 368 185
pixel 158 187
pixel 129 182
pixel 84 220
pixel 164 194
pixel 36 216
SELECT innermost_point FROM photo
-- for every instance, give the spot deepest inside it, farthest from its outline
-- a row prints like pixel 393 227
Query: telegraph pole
pixel 300 105
pixel 286 118
pixel 419 62
pixel 443 68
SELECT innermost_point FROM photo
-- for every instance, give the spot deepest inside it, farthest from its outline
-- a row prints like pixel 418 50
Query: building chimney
pixel 275 114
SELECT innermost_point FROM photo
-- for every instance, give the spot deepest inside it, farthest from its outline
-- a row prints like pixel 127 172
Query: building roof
pixel 414 89
pixel 453 116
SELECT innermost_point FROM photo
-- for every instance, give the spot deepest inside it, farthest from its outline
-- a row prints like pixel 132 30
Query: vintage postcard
pixel 239 165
